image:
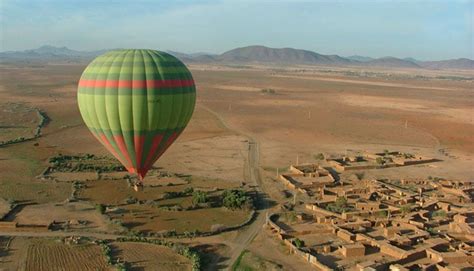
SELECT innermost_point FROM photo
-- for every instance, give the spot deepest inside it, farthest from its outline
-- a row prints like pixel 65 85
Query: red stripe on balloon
pixel 123 149
pixel 154 147
pixel 103 139
pixel 168 143
pixel 139 142
pixel 136 83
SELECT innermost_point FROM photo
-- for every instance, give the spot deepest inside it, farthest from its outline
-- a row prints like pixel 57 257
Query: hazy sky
pixel 420 29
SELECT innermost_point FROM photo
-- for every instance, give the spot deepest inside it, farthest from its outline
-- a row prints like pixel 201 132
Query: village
pixel 338 223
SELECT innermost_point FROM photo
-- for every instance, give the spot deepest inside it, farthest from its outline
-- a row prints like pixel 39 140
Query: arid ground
pixel 289 112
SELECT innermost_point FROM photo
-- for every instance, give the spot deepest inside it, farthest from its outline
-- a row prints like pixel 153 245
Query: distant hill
pixel 259 53
pixel 460 63
pixel 391 62
pixel 254 54
pixel 48 52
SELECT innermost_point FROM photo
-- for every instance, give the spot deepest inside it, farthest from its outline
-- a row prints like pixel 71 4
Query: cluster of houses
pixel 377 224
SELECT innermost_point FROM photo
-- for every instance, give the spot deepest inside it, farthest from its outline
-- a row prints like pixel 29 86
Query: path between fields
pixel 95 235
pixel 248 233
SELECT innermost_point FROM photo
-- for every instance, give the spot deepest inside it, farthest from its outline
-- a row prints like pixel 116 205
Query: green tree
pixel 298 243
pixel 200 197
pixel 235 199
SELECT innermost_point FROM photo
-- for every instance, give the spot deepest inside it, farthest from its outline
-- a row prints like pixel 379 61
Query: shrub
pixel 235 199
pixel 100 208
pixel 319 156
pixel 405 209
pixel 439 213
pixel 188 190
pixel 199 197
pixel 298 243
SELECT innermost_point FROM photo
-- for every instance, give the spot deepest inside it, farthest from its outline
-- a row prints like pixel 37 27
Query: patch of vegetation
pixel 200 197
pixel 439 213
pixel 405 209
pixel 319 156
pixel 289 217
pixel 237 265
pixel 339 206
pixel 268 91
pixel 107 251
pixel 84 163
pixel 298 243
pixel 236 199
pixel 100 208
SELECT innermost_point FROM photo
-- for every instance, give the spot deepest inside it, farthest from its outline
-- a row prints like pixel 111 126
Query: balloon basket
pixel 138 187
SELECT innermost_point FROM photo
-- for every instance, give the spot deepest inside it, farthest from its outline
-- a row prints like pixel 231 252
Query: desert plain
pixel 250 123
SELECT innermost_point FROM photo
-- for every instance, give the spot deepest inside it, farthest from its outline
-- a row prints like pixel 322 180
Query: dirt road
pixel 246 235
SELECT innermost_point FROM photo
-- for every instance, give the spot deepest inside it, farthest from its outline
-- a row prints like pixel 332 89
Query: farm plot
pixel 152 219
pixel 142 256
pixel 44 214
pixel 49 255
pixel 17 120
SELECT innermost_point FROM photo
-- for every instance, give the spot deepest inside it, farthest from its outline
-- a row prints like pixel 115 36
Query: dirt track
pixel 248 233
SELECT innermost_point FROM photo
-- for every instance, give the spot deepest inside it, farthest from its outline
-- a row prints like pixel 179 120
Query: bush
pixel 172 195
pixel 439 213
pixel 319 156
pixel 298 243
pixel 100 208
pixel 200 197
pixel 405 209
pixel 188 190
pixel 235 199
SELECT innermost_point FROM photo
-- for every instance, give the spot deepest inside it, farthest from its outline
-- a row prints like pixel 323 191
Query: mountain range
pixel 250 54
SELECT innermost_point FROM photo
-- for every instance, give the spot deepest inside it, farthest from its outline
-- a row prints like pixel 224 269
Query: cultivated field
pixel 142 256
pixel 49 254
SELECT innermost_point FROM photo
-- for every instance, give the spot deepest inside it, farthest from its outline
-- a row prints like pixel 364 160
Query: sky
pixel 426 30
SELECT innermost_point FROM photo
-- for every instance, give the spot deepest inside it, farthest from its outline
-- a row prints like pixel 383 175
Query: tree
pixel 298 243
pixel 199 197
pixel 235 199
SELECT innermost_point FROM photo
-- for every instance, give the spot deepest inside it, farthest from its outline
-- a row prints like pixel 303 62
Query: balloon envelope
pixel 136 103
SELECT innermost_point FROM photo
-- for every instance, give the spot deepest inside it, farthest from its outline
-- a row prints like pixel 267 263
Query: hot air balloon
pixel 136 103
